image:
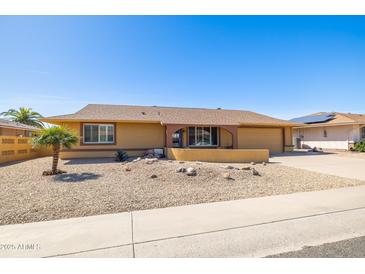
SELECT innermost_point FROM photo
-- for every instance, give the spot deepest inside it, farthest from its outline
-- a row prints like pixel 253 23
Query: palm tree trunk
pixel 56 155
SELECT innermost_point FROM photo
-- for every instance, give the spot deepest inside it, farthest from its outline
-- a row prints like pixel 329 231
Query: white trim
pixel 107 131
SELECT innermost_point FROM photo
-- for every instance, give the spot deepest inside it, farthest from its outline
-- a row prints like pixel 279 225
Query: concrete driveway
pixel 327 163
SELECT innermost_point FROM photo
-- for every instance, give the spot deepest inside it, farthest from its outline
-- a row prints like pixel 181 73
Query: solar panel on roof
pixel 314 118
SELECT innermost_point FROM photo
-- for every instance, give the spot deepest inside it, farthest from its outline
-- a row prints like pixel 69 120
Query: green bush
pixel 121 155
pixel 360 146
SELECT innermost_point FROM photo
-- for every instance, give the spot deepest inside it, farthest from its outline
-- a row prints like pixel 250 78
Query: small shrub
pixel 360 146
pixel 121 155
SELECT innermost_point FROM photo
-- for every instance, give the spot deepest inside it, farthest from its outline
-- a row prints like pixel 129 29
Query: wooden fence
pixel 19 148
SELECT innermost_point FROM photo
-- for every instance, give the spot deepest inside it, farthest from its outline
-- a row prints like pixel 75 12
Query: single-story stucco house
pixel 329 130
pixel 102 129
pixel 10 128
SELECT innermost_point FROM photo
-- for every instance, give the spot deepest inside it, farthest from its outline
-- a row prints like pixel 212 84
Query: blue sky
pixel 284 66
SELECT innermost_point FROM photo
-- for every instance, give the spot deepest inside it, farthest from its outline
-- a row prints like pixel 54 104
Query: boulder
pixel 253 163
pixel 181 169
pixel 151 160
pixel 181 162
pixel 137 159
pixel 227 176
pixel 264 163
pixel 228 167
pixel 190 171
pixel 246 168
pixel 255 172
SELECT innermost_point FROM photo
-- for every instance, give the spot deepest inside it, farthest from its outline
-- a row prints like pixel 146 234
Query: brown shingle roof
pixel 168 115
pixel 10 124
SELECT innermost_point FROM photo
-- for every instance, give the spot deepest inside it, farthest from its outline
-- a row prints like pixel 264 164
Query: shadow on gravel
pixel 299 153
pixel 76 177
pixel 89 161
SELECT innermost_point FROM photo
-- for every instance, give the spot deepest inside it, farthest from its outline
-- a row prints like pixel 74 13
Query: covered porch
pixel 202 136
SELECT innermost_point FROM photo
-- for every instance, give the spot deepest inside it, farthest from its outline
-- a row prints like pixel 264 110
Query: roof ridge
pixel 155 106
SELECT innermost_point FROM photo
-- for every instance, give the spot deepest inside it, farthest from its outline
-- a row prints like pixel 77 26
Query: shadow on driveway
pixel 76 177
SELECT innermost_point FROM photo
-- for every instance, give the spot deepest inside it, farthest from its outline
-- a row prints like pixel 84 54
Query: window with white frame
pixel 203 136
pixel 98 133
pixel 362 133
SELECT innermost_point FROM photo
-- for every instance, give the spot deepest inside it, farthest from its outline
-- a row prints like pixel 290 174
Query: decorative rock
pixel 263 163
pixel 199 163
pixel 127 168
pixel 151 160
pixel 191 171
pixel 255 172
pixel 228 167
pixel 137 159
pixel 227 176
pixel 50 173
pixel 153 176
pixel 246 168
pixel 253 163
pixel 181 162
pixel 181 169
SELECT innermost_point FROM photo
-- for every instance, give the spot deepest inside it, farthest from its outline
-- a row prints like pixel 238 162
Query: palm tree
pixel 25 116
pixel 55 137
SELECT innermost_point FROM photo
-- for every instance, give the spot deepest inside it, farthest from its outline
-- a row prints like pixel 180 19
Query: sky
pixel 283 66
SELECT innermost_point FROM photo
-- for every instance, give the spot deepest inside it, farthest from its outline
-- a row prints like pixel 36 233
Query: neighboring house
pixel 102 129
pixel 332 130
pixel 10 128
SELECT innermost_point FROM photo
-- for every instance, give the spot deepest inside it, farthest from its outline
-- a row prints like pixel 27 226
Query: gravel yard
pixel 101 186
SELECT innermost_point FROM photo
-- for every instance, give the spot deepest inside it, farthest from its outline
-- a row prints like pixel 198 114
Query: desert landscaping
pixel 102 186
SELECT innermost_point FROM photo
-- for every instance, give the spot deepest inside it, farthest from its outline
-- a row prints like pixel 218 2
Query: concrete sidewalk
pixel 243 228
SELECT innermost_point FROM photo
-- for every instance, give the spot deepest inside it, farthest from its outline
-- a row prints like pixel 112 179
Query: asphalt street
pixel 351 248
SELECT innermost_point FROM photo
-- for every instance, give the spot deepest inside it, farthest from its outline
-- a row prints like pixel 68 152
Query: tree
pixel 25 116
pixel 55 137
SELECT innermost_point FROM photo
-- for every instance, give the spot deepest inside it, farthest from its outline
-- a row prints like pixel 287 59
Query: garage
pixel 269 138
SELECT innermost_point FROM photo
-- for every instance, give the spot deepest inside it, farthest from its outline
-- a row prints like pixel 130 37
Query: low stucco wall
pixel 19 148
pixel 219 155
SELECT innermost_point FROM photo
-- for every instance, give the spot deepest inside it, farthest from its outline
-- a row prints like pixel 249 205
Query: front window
pixel 363 133
pixel 203 136
pixel 98 133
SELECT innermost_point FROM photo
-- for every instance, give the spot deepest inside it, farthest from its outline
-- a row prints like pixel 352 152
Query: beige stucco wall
pixel 14 148
pixel 261 138
pixel 225 138
pixel 338 137
pixel 218 155
pixel 129 136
